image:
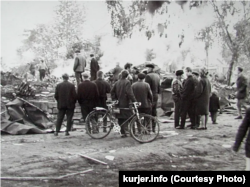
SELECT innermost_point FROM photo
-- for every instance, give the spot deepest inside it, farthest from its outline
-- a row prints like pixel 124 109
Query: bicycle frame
pixel 109 111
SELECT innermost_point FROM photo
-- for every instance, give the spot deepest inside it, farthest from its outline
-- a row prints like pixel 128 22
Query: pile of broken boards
pixel 22 117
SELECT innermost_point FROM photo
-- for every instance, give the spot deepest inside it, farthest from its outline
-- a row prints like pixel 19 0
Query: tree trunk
pixel 231 65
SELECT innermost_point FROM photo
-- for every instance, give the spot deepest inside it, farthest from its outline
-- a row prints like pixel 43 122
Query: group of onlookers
pixel 91 91
pixel 192 97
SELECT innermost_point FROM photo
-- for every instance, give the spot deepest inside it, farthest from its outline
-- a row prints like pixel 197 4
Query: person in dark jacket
pixel 116 71
pixel 244 128
pixel 197 90
pixel 202 99
pixel 214 106
pixel 66 97
pixel 79 66
pixel 241 94
pixel 94 67
pixel 122 91
pixel 187 99
pixel 143 94
pixel 176 89
pixel 88 95
pixel 103 88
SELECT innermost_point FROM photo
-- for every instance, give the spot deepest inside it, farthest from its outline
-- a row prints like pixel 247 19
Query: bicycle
pixel 143 128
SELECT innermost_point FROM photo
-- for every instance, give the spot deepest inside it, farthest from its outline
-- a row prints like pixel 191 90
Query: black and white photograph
pixel 95 92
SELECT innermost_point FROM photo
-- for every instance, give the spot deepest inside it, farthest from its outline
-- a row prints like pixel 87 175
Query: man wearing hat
pixel 123 92
pixel 94 67
pixel 143 94
pixel 79 66
pixel 241 94
pixel 176 89
pixel 65 95
pixel 187 99
pixel 153 79
pixel 87 95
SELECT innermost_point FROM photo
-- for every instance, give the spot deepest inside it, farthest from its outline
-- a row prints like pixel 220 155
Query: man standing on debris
pixel 241 94
pixel 32 75
pixel 94 67
pixel 153 79
pixel 42 69
pixel 187 99
pixel 66 97
pixel 88 95
pixel 79 66
pixel 123 92
pixel 176 89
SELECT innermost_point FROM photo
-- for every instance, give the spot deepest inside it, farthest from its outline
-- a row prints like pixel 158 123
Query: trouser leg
pixel 177 107
pixel 70 114
pixel 60 116
pixel 120 122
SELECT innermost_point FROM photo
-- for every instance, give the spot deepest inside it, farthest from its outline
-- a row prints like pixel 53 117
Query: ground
pixel 44 155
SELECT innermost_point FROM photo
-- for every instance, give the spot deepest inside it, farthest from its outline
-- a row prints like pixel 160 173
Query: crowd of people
pixel 91 91
pixel 192 96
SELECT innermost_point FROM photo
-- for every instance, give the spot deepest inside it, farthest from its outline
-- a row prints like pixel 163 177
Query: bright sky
pixel 16 16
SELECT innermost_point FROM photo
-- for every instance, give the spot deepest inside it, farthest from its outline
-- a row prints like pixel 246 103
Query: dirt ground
pixel 44 155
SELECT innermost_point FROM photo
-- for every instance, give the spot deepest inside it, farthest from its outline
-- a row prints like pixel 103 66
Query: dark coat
pixel 116 71
pixel 214 103
pixel 94 67
pixel 65 94
pixel 143 94
pixel 103 88
pixel 241 84
pixel 188 89
pixel 202 100
pixel 242 131
pixel 87 92
pixel 122 91
pixel 80 64
pixel 153 79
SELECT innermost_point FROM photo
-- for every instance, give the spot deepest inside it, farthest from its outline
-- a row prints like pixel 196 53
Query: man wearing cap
pixel 122 91
pixel 66 97
pixel 241 94
pixel 88 95
pixel 79 66
pixel 94 67
pixel 176 89
pixel 187 99
pixel 153 79
pixel 143 94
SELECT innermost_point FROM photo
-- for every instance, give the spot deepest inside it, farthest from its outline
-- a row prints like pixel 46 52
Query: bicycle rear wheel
pixel 98 124
pixel 145 129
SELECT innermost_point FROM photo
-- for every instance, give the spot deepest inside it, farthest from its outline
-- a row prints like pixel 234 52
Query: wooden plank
pixel 44 178
pixel 101 162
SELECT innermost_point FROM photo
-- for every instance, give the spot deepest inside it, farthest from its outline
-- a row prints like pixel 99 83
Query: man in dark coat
pixel 103 88
pixel 176 89
pixel 66 97
pixel 94 67
pixel 143 94
pixel 153 79
pixel 187 99
pixel 79 66
pixel 202 99
pixel 244 128
pixel 87 95
pixel 116 71
pixel 122 91
pixel 241 94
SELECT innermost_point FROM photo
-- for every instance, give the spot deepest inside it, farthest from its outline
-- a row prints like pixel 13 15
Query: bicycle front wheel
pixel 145 129
pixel 98 124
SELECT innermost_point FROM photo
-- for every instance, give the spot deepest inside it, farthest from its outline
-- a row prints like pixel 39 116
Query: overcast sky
pixel 16 16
